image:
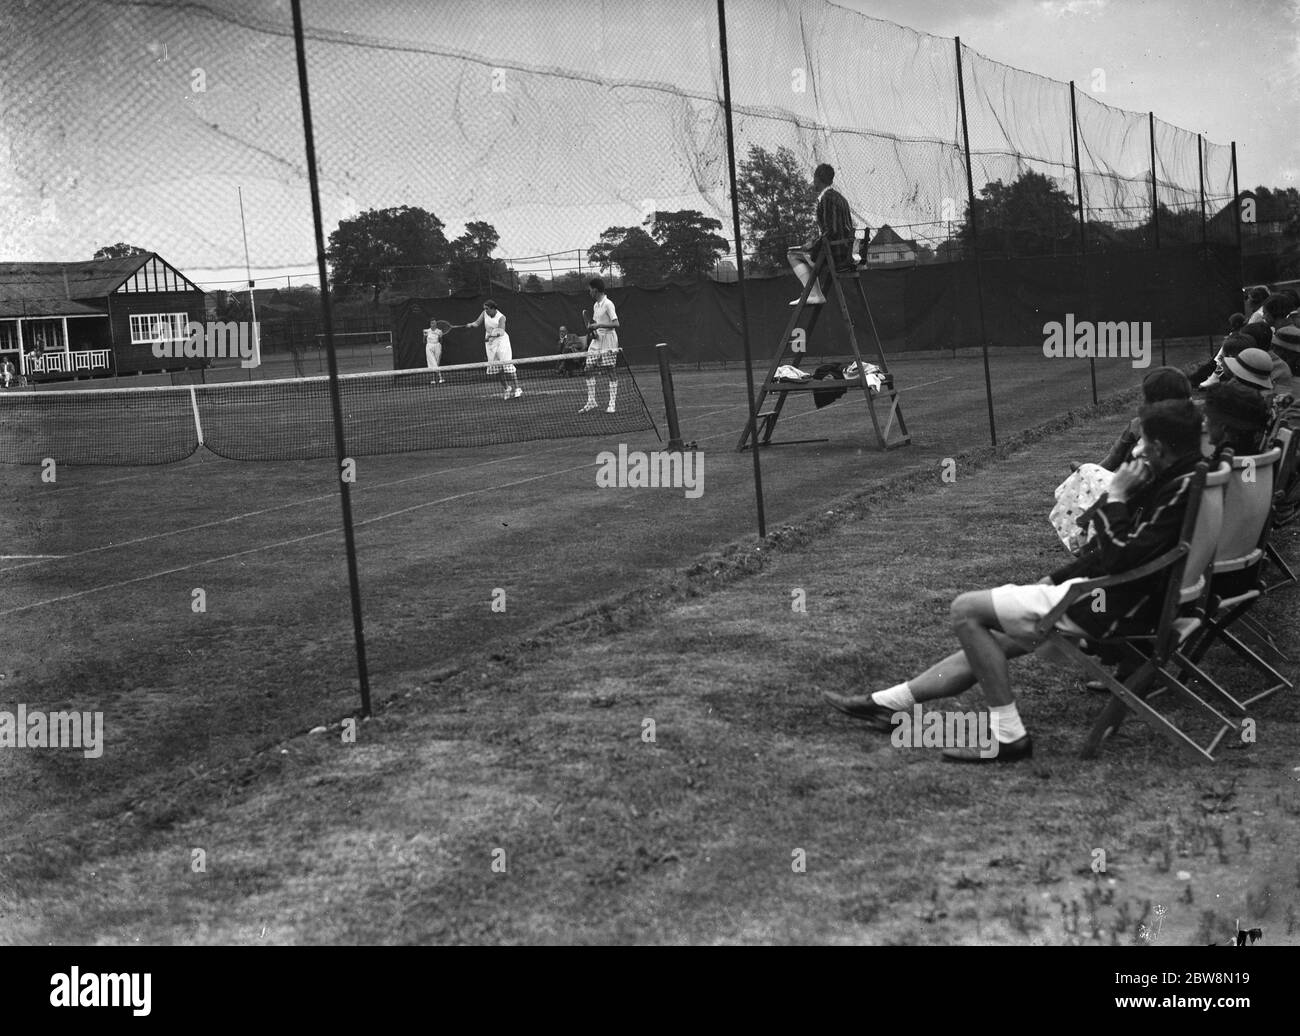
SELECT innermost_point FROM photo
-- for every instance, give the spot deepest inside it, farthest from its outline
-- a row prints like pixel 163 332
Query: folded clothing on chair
pixel 788 372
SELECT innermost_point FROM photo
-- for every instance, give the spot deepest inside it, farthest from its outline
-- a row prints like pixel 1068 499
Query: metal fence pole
pixel 1083 233
pixel 974 242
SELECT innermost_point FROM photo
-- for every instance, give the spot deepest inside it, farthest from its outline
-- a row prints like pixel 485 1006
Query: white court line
pixel 23 557
pixel 265 510
pixel 335 531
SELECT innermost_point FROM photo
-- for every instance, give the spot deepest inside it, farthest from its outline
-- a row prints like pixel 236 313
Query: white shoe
pixel 812 301
pixel 591 405
pixel 609 409
pixel 518 392
pixel 507 394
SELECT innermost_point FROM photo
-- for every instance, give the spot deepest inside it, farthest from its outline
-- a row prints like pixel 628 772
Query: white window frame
pixel 145 327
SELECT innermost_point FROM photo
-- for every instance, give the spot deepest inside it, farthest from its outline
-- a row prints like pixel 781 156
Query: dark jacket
pixel 836 222
pixel 1127 536
pixel 1122 451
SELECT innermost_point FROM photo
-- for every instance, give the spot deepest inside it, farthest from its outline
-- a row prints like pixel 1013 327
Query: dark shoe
pixel 862 708
pixel 1010 752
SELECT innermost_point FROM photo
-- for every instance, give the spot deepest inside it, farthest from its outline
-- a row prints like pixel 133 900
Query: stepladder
pixel 857 375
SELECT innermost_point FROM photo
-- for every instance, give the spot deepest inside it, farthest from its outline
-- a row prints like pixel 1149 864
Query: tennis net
pixel 291 419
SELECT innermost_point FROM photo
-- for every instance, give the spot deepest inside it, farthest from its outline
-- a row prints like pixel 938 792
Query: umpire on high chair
pixel 835 225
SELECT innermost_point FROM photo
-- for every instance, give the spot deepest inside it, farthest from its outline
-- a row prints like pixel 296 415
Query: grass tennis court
pixel 197 704
pixel 276 420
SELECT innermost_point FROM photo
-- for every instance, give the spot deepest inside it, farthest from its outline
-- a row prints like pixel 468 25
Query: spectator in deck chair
pixel 1236 418
pixel 1080 494
pixel 1277 309
pixel 8 374
pixel 1161 383
pixel 1255 298
pixel 1254 301
pixel 1261 369
pixel 1141 519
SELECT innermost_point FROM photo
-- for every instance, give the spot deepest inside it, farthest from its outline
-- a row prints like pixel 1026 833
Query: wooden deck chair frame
pixel 1150 653
pixel 1246 526
pixel 1288 470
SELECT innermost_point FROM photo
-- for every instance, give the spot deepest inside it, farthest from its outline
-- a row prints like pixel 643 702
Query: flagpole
pixel 252 303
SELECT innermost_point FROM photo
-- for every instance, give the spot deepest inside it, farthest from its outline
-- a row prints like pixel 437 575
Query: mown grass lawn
pixel 535 760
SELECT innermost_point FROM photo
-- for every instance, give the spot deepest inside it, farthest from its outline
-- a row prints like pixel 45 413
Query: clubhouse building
pixel 95 318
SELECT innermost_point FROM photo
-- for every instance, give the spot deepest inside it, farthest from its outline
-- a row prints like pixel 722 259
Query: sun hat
pixel 1253 366
pixel 1287 338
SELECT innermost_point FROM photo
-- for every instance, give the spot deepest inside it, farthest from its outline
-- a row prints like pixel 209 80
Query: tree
pixel 533 283
pixel 472 265
pixel 688 246
pixel 1278 205
pixel 121 250
pixel 571 281
pixel 369 250
pixel 1029 216
pixel 778 208
pixel 633 251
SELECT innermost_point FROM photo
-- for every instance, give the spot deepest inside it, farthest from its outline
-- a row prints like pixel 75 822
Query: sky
pixel 123 120
pixel 1227 68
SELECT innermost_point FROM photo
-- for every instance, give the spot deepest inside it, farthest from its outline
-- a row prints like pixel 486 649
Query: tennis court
pixel 102 566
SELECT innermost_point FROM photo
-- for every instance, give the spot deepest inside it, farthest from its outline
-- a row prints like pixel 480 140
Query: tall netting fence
pixel 450 136
pixel 553 131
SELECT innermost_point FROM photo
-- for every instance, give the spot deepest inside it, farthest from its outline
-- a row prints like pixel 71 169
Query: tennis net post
pixel 670 398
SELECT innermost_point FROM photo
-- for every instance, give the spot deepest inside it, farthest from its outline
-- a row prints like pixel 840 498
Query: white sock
pixel 1005 720
pixel 613 392
pixel 591 391
pixel 898 697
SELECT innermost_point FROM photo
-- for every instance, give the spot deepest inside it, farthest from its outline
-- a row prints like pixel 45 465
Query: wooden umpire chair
pixel 1150 654
pixel 766 420
pixel 1236 578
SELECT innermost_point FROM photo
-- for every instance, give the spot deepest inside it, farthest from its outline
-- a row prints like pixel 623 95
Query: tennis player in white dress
pixel 433 348
pixel 497 344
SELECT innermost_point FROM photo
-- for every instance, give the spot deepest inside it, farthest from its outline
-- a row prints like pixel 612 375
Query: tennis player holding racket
pixel 497 344
pixel 433 348
pixel 602 353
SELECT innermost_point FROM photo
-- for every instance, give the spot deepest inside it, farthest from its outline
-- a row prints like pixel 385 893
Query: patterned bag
pixel 1076 495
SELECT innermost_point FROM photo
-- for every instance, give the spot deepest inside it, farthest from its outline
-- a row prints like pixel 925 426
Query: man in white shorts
pixel 497 344
pixel 602 353
pixel 1140 518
